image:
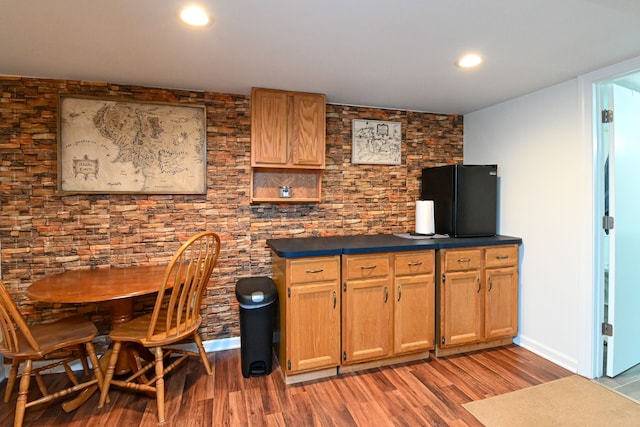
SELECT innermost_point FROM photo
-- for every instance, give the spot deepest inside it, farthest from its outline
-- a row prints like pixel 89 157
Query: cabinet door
pixel 313 327
pixel 501 303
pixel 367 306
pixel 414 313
pixel 307 130
pixel 268 128
pixel 460 308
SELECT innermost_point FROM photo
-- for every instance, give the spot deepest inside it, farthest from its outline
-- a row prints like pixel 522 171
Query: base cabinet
pixel 355 311
pixel 388 305
pixel 477 297
pixel 414 301
pixel 367 308
pixel 309 314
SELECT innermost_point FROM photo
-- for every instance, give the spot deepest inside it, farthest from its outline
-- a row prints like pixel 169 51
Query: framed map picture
pixel 107 146
pixel 376 143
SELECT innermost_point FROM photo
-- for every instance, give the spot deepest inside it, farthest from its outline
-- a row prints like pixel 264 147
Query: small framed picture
pixel 376 142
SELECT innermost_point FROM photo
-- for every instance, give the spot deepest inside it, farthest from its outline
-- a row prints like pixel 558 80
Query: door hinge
pixel 607 222
pixel 607 329
pixel 443 340
pixel 289 364
pixel 607 116
pixel 344 287
pixel 344 355
pixel 443 278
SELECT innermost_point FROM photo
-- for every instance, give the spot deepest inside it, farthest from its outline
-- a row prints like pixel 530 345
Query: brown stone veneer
pixel 43 231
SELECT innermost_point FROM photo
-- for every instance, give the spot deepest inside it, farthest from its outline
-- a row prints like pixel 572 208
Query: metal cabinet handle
pixel 502 256
pixel 320 270
pixel 464 259
pixel 368 267
pixel 479 286
pixel 386 294
pixel 399 292
pixel 415 263
pixel 335 299
pixel 490 284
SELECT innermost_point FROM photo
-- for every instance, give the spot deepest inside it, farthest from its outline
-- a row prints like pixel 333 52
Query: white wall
pixel 545 192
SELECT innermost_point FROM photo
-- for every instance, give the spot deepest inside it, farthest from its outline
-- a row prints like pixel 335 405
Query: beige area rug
pixel 570 401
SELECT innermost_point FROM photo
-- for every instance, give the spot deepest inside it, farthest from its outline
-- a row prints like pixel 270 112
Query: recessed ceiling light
pixel 468 61
pixel 195 16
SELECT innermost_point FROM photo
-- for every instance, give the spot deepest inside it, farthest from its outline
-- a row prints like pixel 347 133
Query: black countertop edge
pixel 302 247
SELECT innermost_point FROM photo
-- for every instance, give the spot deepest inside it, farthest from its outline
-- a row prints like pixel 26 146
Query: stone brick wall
pixel 43 231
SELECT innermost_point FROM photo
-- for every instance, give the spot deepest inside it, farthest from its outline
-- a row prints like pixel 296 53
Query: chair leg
pixel 97 371
pixel 11 381
pixel 203 354
pixel 160 383
pixel 22 393
pixel 83 359
pixel 110 371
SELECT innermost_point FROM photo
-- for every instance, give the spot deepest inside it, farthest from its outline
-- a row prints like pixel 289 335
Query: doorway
pixel 617 160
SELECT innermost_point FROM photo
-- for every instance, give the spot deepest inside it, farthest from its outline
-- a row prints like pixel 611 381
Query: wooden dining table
pixel 116 286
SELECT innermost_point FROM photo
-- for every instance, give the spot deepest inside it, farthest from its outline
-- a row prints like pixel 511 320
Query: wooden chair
pixel 175 317
pixel 61 340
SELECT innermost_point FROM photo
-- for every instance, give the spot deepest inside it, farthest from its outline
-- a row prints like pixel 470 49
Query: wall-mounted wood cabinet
pixel 287 145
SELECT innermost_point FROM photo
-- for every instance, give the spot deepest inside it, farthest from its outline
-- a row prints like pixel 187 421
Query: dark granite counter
pixel 363 244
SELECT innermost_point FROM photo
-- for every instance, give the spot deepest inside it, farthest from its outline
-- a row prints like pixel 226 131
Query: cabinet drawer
pixel 363 267
pixel 501 256
pixel 414 263
pixel 314 270
pixel 469 259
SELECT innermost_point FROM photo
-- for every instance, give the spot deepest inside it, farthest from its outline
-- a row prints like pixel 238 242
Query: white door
pixel 619 142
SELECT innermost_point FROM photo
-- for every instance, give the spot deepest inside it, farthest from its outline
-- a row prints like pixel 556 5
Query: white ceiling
pixel 389 54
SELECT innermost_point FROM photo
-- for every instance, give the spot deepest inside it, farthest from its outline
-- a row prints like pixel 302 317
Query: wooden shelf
pixel 304 185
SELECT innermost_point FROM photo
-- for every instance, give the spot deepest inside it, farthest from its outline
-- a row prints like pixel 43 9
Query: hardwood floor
pixel 425 393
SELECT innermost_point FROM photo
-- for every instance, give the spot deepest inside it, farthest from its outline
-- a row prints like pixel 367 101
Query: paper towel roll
pixel 424 217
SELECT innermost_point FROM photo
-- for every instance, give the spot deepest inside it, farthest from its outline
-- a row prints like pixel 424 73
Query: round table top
pixel 98 284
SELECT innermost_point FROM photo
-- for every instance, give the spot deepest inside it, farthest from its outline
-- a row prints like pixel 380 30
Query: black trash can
pixel 257 297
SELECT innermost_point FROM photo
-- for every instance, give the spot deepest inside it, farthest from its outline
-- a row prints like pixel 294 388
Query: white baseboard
pixel 560 359
pixel 209 346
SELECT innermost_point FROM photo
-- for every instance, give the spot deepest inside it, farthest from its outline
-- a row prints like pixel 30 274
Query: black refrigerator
pixel 465 199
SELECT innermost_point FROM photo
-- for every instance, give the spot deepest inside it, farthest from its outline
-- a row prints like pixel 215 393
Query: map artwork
pixel 377 143
pixel 131 147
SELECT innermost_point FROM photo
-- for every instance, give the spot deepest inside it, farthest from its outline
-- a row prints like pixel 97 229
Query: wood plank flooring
pixel 425 393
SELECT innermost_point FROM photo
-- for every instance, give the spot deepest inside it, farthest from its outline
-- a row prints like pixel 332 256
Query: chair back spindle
pixel 189 271
pixel 12 325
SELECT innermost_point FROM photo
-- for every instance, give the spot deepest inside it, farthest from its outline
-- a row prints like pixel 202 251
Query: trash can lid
pixel 256 292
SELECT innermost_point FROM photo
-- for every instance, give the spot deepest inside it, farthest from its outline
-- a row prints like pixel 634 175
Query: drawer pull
pixel 415 263
pixel 464 259
pixel 502 256
pixel 320 270
pixel 368 267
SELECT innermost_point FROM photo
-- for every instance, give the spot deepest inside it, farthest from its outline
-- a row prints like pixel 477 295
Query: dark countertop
pixel 364 244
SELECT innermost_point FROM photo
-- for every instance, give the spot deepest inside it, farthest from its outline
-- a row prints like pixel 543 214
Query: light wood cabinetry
pixel 388 305
pixel 309 316
pixel 477 298
pixel 414 300
pixel 287 145
pixel 367 306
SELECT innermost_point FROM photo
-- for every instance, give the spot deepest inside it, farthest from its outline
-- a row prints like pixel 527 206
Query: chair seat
pixel 136 331
pixel 53 337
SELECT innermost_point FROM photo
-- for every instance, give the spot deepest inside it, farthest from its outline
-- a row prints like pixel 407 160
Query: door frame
pixel 591 300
